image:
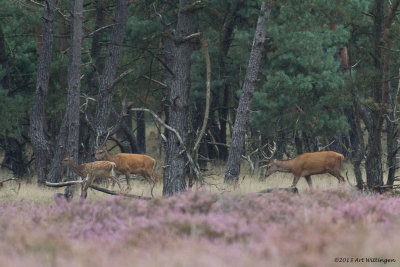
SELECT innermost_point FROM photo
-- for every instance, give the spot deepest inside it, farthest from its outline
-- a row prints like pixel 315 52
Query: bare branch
pixel 190 159
pixel 120 77
pixel 100 29
pixel 155 81
pixel 84 110
pixel 208 95
pixel 251 163
pixel 112 130
pixel 8 179
pixel 194 35
pixel 36 3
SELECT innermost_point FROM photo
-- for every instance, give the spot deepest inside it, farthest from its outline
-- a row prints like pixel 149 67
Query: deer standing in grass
pixel 128 164
pixel 308 164
pixel 91 170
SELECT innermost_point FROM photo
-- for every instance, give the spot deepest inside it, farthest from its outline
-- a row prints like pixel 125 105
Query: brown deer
pixel 92 170
pixel 308 164
pixel 128 164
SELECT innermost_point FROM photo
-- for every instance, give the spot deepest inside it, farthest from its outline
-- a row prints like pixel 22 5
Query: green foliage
pixel 18 27
pixel 304 88
pixel 13 113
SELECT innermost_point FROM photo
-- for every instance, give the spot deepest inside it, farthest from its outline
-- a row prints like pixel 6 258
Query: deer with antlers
pixel 307 164
pixel 92 170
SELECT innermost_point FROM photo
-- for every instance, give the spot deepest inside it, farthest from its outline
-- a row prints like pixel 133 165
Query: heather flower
pixel 200 228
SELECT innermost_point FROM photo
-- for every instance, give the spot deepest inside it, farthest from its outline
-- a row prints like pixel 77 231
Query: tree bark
pixel 243 111
pixel 125 134
pixel 140 132
pixel 6 80
pixel 357 143
pixel 178 97
pixel 373 163
pixel 38 138
pixel 224 45
pixel 68 137
pixel 106 79
pixel 391 126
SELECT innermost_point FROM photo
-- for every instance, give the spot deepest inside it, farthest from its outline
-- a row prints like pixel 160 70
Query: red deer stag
pixel 92 170
pixel 128 164
pixel 308 164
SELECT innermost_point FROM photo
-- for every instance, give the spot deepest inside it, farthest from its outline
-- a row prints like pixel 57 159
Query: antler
pixel 272 150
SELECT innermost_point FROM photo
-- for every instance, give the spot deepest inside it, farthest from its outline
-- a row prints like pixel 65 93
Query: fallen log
pixel 115 193
pixel 61 184
pixel 98 188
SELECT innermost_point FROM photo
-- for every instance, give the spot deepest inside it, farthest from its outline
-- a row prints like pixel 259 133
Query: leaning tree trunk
pixel 107 79
pixel 180 50
pixel 38 138
pixel 243 111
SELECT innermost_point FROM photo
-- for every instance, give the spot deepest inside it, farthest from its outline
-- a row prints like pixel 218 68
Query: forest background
pixel 71 72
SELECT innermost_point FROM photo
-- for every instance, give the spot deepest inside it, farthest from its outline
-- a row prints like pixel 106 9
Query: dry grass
pixel 248 183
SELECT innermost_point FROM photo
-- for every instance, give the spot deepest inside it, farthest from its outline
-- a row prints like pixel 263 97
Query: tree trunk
pixel 224 45
pixel 14 157
pixel 93 78
pixel 243 111
pixel 392 146
pixel 180 50
pixel 106 80
pixel 357 143
pixel 125 135
pixel 298 143
pixel 280 144
pixel 68 137
pixel 140 132
pixel 391 126
pixel 38 138
pixel 6 80
pixel 373 163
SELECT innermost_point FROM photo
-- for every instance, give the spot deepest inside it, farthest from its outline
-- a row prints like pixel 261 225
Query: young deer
pixel 128 164
pixel 92 170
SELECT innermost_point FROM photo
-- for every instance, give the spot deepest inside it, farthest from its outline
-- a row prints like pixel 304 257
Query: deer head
pixel 100 153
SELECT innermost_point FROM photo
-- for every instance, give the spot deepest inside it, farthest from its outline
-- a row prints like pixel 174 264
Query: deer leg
pixel 309 181
pixel 108 182
pixel 115 180
pixel 295 180
pixel 150 179
pixel 128 177
pixel 338 176
pixel 85 186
